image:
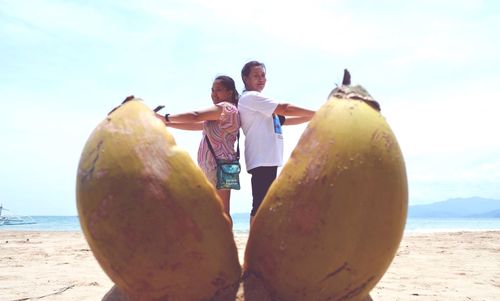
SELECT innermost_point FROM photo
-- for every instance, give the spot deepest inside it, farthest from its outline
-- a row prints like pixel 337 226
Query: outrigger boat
pixel 13 219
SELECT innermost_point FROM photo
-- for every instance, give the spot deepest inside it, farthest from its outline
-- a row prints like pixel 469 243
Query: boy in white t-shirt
pixel 262 128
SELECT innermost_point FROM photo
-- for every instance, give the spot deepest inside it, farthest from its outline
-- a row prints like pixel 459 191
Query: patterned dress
pixel 222 134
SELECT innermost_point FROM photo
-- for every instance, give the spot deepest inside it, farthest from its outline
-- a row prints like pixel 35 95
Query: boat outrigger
pixel 13 219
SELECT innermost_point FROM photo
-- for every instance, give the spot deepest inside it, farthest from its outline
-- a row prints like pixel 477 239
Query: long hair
pixel 229 84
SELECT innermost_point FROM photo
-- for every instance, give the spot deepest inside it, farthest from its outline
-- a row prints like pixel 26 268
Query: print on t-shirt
pixel 277 125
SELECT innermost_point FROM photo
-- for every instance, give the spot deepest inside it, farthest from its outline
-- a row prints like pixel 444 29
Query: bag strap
pixel 238 145
pixel 212 150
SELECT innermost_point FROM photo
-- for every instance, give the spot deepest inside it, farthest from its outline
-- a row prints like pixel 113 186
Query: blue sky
pixel 433 65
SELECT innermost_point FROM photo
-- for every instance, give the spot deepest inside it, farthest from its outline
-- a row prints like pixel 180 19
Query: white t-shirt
pixel 263 134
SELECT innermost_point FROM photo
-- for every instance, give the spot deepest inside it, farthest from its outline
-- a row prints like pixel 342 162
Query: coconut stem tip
pixel 347 78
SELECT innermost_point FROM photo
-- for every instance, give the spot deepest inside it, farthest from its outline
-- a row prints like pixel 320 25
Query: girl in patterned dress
pixel 220 123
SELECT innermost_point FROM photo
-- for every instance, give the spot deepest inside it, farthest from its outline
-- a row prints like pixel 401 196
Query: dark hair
pixel 248 67
pixel 229 84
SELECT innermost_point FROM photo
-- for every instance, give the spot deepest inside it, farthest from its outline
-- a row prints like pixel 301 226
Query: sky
pixel 433 66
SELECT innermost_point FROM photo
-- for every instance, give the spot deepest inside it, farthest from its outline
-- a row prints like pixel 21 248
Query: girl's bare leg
pixel 225 195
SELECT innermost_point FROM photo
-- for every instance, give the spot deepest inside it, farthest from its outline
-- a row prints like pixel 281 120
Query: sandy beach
pixel 428 266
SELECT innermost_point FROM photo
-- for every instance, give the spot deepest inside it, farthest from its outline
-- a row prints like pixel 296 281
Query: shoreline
pixel 241 225
pixel 58 265
pixel 246 232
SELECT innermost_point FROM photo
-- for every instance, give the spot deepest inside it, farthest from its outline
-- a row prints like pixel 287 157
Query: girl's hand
pixel 162 118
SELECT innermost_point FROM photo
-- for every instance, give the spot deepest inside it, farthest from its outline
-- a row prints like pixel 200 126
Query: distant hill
pixel 474 207
pixel 490 214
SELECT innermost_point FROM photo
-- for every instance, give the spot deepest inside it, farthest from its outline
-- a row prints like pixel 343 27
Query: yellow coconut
pixel 332 222
pixel 154 223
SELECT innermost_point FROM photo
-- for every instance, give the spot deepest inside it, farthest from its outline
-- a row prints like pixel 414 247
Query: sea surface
pixel 241 224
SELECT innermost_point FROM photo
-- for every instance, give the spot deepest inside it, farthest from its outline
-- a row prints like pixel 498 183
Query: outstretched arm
pixel 294 120
pixel 191 120
pixel 287 109
pixel 193 126
pixel 211 113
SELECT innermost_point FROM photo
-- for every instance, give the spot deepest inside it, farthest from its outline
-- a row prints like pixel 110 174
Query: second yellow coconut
pixel 332 222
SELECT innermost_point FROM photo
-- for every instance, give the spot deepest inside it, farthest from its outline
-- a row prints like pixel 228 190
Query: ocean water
pixel 48 223
pixel 241 224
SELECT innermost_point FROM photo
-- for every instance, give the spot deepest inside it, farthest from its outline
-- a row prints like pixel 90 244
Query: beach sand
pixel 428 266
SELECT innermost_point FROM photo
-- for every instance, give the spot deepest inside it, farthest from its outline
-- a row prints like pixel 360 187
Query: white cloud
pixel 487 172
pixel 49 17
pixel 458 118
